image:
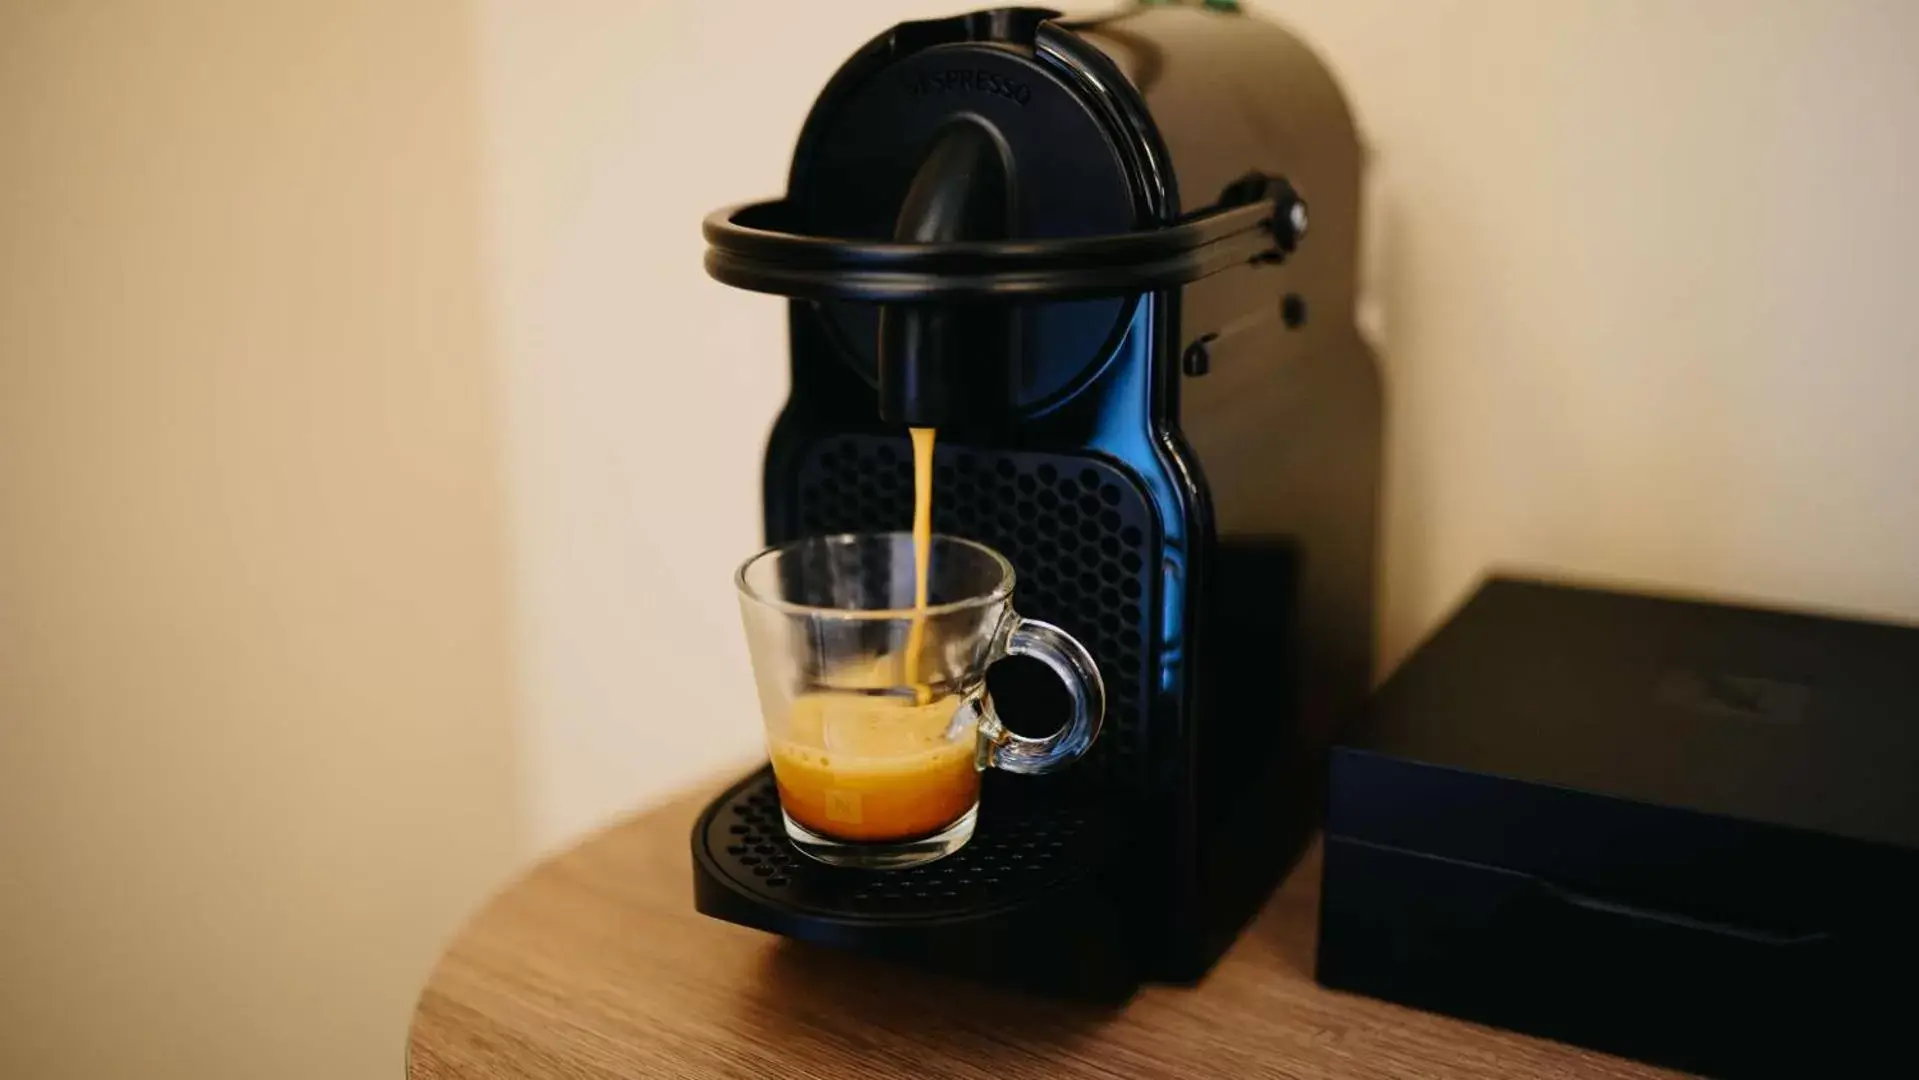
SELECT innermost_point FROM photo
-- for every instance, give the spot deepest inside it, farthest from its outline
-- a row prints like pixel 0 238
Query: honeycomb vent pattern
pixel 1019 851
pixel 1077 531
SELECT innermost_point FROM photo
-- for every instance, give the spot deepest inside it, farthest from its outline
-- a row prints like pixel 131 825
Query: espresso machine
pixel 1079 248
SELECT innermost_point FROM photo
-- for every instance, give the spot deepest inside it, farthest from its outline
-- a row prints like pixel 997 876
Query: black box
pixel 1679 831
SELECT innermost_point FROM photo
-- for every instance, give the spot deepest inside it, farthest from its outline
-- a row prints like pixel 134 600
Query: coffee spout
pixel 939 363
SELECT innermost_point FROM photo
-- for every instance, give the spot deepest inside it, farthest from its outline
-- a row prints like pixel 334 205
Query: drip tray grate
pixel 1027 844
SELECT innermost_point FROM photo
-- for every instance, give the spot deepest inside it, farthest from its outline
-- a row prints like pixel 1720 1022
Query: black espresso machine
pixel 1070 245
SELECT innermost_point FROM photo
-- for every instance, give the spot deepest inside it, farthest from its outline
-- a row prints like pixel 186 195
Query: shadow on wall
pixel 256 721
pixel 1383 307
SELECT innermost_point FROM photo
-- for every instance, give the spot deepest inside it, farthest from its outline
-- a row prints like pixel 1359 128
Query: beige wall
pixel 255 690
pixel 373 453
pixel 1643 272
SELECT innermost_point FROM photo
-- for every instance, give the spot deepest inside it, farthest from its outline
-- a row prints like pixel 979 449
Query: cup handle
pixel 1002 749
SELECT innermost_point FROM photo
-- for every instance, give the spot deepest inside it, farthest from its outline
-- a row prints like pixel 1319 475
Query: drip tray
pixel 1028 901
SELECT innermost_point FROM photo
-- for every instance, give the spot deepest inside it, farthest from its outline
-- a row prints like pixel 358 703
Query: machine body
pixel 1067 244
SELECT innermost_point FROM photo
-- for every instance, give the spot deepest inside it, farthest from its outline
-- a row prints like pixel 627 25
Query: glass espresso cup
pixel 877 718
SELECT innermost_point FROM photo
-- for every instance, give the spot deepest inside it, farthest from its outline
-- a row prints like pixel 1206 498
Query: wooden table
pixel 596 965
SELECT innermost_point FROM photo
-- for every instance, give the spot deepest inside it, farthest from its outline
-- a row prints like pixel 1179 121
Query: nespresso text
pixel 956 80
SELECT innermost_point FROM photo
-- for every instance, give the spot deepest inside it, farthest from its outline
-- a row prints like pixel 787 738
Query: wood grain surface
pixel 596 965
